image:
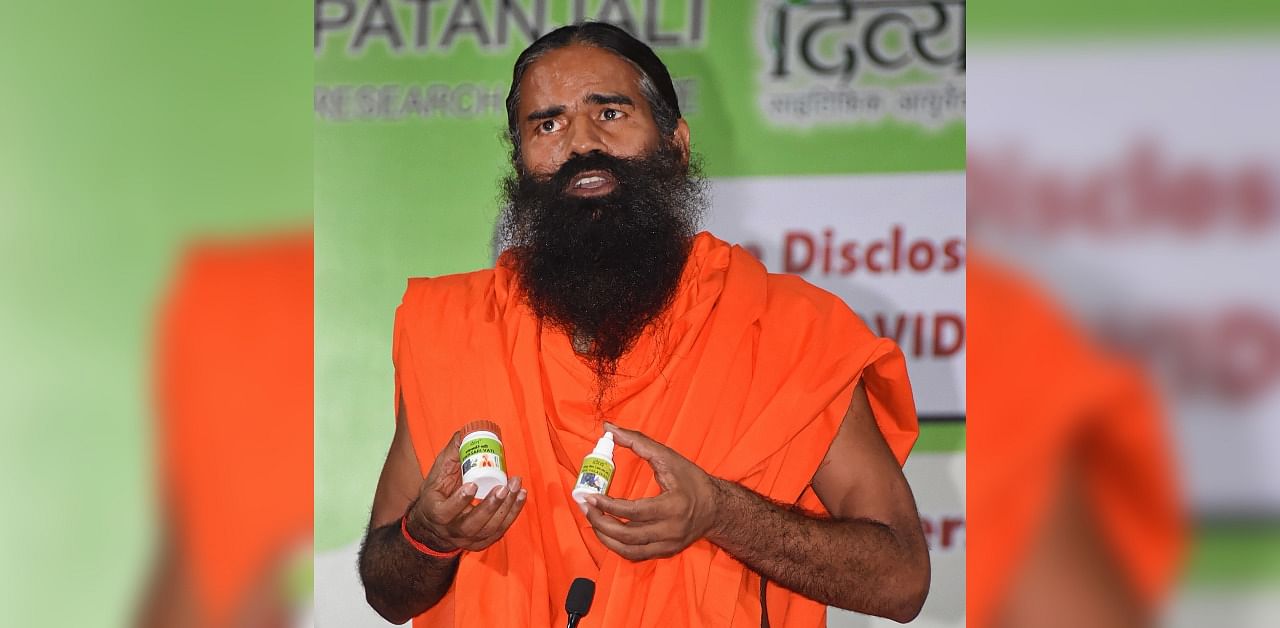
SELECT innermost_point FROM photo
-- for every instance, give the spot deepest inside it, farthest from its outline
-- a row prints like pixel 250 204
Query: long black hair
pixel 655 81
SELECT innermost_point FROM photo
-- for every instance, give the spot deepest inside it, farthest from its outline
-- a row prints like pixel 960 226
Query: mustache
pixel 620 167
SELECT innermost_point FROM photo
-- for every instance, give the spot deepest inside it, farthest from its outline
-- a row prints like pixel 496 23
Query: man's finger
pixel 667 480
pixel 446 467
pixel 637 553
pixel 641 510
pixel 448 476
pixel 643 446
pixel 663 459
pixel 449 509
pixel 629 552
pixel 449 482
pixel 510 518
pixel 494 524
pixel 450 451
pixel 469 525
pixel 627 533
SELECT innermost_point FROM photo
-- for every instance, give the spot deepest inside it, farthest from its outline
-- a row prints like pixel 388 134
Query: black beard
pixel 602 269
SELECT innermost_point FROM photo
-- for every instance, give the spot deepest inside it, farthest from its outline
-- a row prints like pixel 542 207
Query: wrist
pixel 418 532
pixel 721 510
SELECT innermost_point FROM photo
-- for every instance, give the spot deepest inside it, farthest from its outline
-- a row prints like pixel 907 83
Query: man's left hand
pixel 661 526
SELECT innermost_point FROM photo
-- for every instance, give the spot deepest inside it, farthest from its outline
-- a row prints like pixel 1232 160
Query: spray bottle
pixel 597 471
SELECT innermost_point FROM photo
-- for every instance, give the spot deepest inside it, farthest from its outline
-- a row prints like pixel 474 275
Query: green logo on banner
pixel 424 27
pixel 845 62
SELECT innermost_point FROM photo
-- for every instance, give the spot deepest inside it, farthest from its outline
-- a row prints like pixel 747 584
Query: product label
pixel 483 453
pixel 595 475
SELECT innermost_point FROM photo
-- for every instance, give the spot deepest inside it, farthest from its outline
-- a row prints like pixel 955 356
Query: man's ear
pixel 682 139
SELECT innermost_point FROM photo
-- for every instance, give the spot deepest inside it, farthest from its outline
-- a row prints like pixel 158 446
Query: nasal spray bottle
pixel 597 471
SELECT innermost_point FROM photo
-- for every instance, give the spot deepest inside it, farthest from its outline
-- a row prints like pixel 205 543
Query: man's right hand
pixel 443 516
pixel 438 512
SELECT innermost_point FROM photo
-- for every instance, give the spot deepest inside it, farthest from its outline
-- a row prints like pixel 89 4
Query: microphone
pixel 579 601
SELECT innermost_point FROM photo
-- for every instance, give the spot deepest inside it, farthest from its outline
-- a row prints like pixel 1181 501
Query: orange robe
pixel 1042 398
pixel 750 378
pixel 234 401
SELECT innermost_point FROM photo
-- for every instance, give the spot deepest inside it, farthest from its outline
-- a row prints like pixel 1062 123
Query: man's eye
pixel 547 126
pixel 612 114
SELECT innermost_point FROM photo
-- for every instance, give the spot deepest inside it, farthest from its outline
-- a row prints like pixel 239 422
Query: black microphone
pixel 579 601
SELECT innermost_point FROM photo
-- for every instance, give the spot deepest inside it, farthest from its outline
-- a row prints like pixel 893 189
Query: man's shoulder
pixel 792 296
pixel 242 288
pixel 786 303
pixel 459 295
pixel 785 292
pixel 275 260
pixel 445 284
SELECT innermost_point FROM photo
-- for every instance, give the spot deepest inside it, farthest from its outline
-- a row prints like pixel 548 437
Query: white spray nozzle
pixel 604 446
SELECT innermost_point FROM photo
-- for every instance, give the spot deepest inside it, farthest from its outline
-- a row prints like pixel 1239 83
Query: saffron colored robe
pixel 749 377
pixel 1045 399
pixel 234 401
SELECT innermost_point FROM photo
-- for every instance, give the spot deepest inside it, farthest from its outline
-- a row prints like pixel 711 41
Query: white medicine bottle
pixel 597 470
pixel 484 463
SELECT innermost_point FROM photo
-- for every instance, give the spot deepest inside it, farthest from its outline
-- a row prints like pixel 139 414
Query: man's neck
pixel 581 343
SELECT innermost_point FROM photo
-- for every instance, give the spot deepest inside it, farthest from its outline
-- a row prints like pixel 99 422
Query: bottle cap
pixel 482 426
pixel 604 446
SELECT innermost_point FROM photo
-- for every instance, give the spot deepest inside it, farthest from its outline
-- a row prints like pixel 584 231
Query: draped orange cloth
pixel 1044 399
pixel 234 384
pixel 749 376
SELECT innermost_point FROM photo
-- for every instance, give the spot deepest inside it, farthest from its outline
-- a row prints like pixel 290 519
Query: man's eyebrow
pixel 608 99
pixel 546 112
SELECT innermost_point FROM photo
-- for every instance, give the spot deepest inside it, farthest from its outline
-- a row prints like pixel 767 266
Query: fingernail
pixel 469 489
pixel 609 425
pixel 591 499
pixel 501 492
pixel 523 494
pixel 583 508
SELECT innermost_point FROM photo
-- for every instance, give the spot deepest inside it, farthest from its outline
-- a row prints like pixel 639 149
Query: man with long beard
pixel 761 426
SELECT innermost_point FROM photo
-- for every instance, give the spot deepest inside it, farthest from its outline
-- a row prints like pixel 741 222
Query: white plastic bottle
pixel 597 471
pixel 484 463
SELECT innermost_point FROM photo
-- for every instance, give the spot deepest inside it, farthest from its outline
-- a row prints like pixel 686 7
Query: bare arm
pixel 169 599
pixel 1070 577
pixel 400 582
pixel 869 556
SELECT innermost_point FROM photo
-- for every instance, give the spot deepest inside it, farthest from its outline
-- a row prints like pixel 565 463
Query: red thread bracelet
pixel 420 546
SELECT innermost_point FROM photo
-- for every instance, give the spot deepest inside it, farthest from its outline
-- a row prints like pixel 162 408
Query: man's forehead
pixel 575 71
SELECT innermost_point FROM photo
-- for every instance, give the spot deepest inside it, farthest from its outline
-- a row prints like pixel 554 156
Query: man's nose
pixel 584 137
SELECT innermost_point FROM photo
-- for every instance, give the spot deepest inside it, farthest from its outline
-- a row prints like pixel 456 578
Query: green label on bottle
pixel 482 453
pixel 596 474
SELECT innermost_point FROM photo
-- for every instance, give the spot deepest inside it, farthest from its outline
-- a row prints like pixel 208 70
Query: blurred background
pixel 1124 166
pixel 132 135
